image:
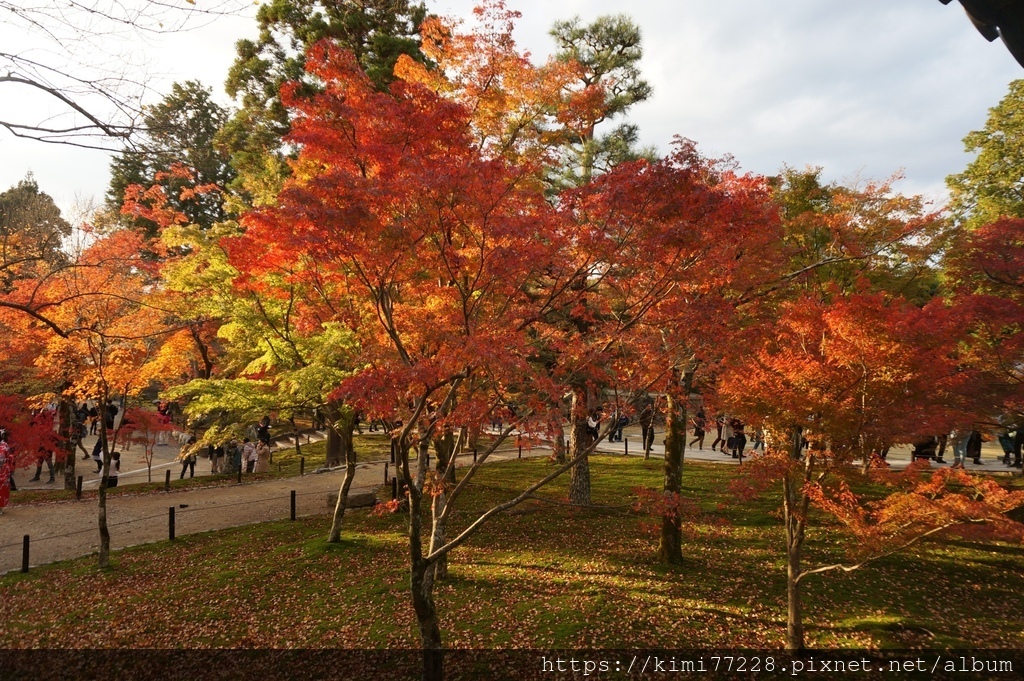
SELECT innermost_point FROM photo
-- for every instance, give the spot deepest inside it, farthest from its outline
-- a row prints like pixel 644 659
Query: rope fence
pixel 175 512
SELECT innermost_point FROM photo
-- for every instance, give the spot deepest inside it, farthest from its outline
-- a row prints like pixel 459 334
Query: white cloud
pixel 863 88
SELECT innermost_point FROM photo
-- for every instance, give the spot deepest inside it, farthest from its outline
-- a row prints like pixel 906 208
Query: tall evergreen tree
pixel 376 31
pixel 32 231
pixel 180 131
pixel 607 54
pixel 992 185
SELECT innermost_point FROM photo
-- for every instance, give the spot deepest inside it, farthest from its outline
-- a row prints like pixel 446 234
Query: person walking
pixel 646 419
pixel 758 438
pixel 700 422
pixel 44 456
pixel 958 440
pixel 94 420
pixel 739 439
pixel 188 459
pixel 719 425
pixel 619 421
pixel 97 454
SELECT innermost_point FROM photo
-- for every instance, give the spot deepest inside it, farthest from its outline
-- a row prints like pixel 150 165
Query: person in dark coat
pixel 646 419
pixel 1006 443
pixel 925 449
pixel 739 438
pixel 700 423
pixel 263 430
pixel 974 447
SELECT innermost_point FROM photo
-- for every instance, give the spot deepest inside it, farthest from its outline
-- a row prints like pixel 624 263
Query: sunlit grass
pixel 546 575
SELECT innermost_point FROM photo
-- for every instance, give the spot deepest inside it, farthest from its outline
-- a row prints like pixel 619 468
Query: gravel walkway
pixel 69 529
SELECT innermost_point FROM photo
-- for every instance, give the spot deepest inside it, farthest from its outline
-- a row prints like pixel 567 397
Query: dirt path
pixel 59 531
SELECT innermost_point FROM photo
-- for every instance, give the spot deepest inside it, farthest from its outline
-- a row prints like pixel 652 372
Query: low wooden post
pixel 394 488
pixel 474 456
pixel 167 481
pixel 78 488
pixel 302 465
pixel 293 504
pixel 170 523
pixel 520 451
pixel 24 554
pixel 625 443
pixel 385 472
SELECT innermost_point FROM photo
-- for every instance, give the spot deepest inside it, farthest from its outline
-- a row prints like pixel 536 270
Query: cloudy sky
pixel 864 90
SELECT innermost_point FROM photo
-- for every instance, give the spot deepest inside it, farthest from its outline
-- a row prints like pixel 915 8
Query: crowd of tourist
pixel 252 453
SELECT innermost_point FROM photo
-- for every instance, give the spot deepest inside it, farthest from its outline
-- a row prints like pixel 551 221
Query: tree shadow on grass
pixel 1002 549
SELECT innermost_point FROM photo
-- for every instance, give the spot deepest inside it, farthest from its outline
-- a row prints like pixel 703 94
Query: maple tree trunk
pixel 558 446
pixel 204 353
pixel 444 448
pixel 579 475
pixel 342 503
pixel 426 619
pixel 794 621
pixel 342 428
pixel 670 549
pixel 437 536
pixel 421 581
pixel 794 510
pixel 333 449
pixel 339 435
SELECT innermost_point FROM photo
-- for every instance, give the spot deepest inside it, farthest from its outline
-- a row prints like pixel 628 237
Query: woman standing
pixel 728 441
pixel 262 457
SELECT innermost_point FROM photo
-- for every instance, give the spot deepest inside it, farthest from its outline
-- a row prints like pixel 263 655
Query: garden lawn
pixel 546 575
